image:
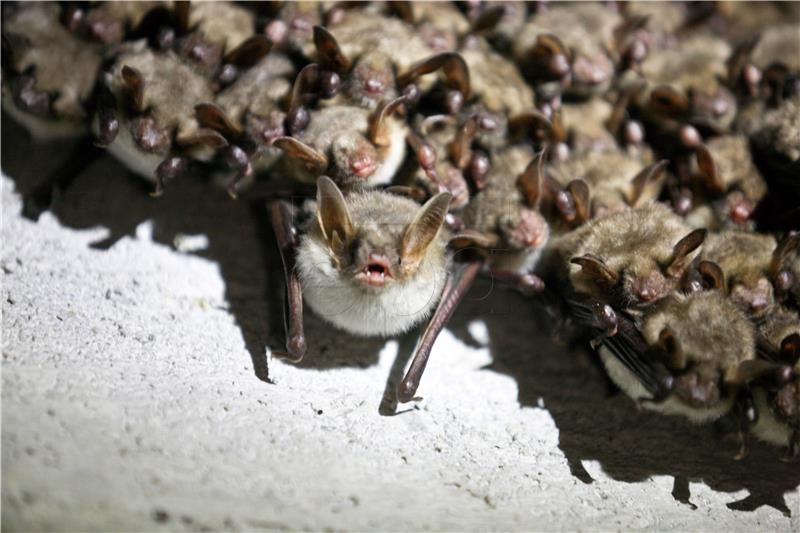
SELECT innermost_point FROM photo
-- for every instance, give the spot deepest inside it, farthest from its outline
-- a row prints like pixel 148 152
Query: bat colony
pixel 640 161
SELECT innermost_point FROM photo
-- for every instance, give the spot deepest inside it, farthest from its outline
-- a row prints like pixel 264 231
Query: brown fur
pixel 711 332
pixel 778 130
pixel 496 81
pixel 259 89
pixel 340 133
pixel 778 44
pixel 743 256
pixel 609 175
pixel 634 243
pixel 171 89
pixel 585 125
pixel 586 29
pixel 499 208
pixel 222 22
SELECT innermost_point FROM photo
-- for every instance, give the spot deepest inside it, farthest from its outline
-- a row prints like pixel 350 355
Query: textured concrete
pixel 136 395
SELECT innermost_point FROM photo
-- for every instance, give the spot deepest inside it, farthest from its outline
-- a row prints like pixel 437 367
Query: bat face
pixel 616 179
pixel 745 259
pixel 151 114
pixel 634 257
pixel 684 85
pixel 292 28
pixel 726 178
pixel 703 360
pixel 584 34
pixel 373 263
pixel 50 73
pixel 506 211
pixel 366 53
pixel 353 145
pixel 496 81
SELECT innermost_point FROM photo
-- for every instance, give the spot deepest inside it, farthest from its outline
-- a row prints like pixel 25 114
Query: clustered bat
pixel 636 163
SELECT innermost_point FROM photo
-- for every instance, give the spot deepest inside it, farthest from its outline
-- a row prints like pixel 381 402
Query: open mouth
pixel 375 272
pixel 362 166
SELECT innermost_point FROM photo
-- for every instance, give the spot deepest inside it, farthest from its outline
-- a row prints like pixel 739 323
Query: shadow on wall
pixel 630 446
pixel 240 241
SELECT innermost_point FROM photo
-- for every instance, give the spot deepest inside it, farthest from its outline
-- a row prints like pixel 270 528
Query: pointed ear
pixel 551 52
pixel 297 116
pixel 213 116
pixel 709 169
pixel 203 137
pixel 135 83
pixel 488 19
pixel 423 230
pixel 531 122
pixel 333 216
pixel 378 132
pixel 468 238
pixel 330 53
pixel 459 148
pixel 249 52
pixel 314 160
pixel 645 176
pixel 597 270
pixel 712 275
pixel 579 190
pixel 784 252
pixel 619 111
pixel 680 252
pixel 453 66
pixel 531 181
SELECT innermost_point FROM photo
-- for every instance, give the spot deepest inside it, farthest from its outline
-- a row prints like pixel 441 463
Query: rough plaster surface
pixel 136 394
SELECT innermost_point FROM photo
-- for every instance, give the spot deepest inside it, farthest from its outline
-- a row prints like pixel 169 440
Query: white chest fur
pixel 366 311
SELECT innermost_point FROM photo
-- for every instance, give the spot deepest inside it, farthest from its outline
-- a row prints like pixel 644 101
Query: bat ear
pixel 423 230
pixel 645 176
pixel 313 159
pixel 531 181
pixel 134 81
pixel 488 20
pixel 214 117
pixel 784 252
pixel 671 349
pixel 333 215
pixel 377 131
pixel 708 169
pixel 597 270
pixel 682 250
pixel 249 52
pixel 459 148
pixel 455 69
pixel 330 53
pixel 712 275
